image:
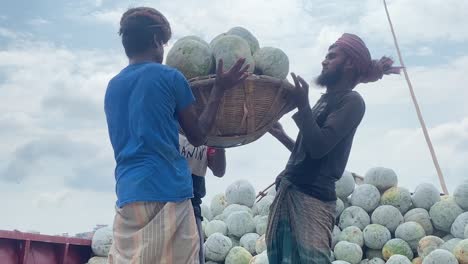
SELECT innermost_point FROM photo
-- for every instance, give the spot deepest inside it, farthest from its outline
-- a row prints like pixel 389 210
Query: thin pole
pixel 416 105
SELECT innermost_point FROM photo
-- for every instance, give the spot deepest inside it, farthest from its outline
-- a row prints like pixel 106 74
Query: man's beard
pixel 327 79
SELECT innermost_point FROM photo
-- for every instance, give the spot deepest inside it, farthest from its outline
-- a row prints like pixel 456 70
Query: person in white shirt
pixel 199 159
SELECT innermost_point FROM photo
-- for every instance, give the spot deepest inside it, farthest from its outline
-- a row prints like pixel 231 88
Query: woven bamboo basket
pixel 247 111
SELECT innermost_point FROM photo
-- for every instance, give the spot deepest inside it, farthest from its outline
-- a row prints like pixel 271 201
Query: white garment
pixel 196 156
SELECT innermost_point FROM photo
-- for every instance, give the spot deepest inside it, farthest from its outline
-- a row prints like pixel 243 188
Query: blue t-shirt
pixel 141 106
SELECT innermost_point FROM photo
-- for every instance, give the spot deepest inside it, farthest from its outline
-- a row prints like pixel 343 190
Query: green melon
pixel 352 234
pixel 240 192
pixel 461 251
pixel 459 225
pixel 263 206
pixel 271 62
pixel 382 178
pixel 425 196
pixel 238 255
pixel 428 244
pixel 411 232
pixel 388 216
pixel 102 241
pixel 217 247
pixel 375 236
pixel 260 258
pixel 420 216
pixel 215 226
pixel 230 48
pixel 349 252
pixel 206 212
pixel 339 207
pixel 215 39
pixel 344 187
pixel 192 58
pixel 248 241
pixel 397 246
pixel 354 216
pixel 240 223
pixel 260 245
pixel 366 196
pixel 451 244
pixel 398 259
pixel 461 195
pixel 335 235
pixel 247 36
pixel 218 204
pixel 261 225
pixel 397 196
pixel 444 213
pixel 440 256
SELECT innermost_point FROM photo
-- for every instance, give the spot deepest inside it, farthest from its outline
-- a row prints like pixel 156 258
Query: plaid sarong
pixel 299 228
pixel 154 232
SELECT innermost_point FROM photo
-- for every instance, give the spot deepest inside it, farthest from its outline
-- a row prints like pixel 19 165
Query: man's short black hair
pixel 138 28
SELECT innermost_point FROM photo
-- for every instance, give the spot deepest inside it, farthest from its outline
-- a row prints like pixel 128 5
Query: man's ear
pixel 156 42
pixel 348 64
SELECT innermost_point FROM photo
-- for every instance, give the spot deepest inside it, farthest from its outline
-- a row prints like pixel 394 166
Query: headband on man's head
pixel 368 70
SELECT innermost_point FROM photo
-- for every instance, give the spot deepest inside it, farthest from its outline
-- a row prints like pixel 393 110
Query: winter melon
pixel 230 48
pixel 388 216
pixel 397 246
pixel 217 247
pixel 444 213
pixel 240 192
pixel 425 196
pixel 366 196
pixel 382 178
pixel 272 62
pixel 191 57
pixel 375 236
pixel 247 36
pixel 349 252
pixel 354 216
pixel 397 196
pixel 440 256
pixel 238 255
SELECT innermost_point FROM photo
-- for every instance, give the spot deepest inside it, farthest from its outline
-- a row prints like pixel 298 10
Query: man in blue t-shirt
pixel 145 104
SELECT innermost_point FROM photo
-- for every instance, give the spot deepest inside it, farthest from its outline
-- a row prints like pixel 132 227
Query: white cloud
pixel 38 22
pixel 417 21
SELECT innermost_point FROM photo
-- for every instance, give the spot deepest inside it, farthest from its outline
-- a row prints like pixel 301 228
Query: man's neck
pixel 141 58
pixel 341 85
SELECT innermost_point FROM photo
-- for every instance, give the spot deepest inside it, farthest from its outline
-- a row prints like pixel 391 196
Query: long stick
pixel 416 105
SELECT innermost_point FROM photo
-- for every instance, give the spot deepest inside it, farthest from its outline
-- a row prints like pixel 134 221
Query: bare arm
pixel 197 128
pixel 278 132
pixel 217 161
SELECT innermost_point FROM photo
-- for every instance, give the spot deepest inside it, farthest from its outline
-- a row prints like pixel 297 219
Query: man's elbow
pixel 219 173
pixel 196 141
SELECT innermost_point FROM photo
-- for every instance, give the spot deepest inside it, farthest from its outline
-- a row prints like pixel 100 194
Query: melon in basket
pixel 247 111
pixel 191 56
pixel 230 48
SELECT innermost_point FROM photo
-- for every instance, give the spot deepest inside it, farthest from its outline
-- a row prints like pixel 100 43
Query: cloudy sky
pixel 56 57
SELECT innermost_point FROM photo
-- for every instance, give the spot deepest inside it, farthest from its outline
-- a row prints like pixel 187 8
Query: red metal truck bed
pixel 27 248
